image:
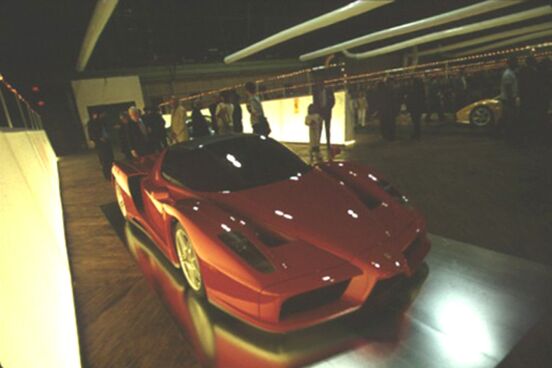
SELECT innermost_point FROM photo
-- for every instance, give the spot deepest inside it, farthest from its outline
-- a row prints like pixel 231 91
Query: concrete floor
pixel 471 188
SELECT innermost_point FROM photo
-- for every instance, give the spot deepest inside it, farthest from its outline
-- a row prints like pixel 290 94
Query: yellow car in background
pixel 481 113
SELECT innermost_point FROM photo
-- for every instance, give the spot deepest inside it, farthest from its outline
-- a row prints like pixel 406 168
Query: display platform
pixel 466 307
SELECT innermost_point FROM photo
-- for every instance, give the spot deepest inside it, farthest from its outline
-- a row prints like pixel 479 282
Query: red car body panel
pixel 341 229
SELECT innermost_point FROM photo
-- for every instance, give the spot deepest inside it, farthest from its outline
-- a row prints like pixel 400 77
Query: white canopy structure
pixel 508 42
pixel 421 24
pixel 488 38
pixel 346 12
pixel 458 31
pixel 100 17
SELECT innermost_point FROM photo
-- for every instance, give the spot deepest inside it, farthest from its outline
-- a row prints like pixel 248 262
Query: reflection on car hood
pixel 316 208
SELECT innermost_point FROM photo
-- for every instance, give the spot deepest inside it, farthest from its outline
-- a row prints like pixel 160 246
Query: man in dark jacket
pixel 138 139
pixel 199 125
pixel 155 125
pixel 124 135
pixel 97 132
pixel 237 113
pixel 213 112
pixel 324 100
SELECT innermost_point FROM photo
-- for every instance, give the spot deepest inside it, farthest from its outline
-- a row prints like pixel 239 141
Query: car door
pixel 154 199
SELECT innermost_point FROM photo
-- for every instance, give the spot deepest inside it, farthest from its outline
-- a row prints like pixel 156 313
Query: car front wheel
pixel 188 260
pixel 481 116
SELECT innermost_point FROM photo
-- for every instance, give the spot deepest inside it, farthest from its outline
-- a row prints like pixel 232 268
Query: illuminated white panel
pixel 37 316
pixel 287 120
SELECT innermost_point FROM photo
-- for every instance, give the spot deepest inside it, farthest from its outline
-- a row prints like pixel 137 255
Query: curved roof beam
pixel 511 41
pixel 470 28
pixel 452 16
pixel 484 39
pixel 102 12
pixel 338 15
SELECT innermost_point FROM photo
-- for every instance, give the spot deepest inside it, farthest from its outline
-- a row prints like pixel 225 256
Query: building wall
pixel 162 81
pixel 105 91
pixel 37 315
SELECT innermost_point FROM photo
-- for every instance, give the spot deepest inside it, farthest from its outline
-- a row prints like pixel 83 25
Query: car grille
pixel 312 299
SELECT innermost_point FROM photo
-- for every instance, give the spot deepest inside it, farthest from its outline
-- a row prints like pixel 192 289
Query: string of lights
pixel 434 64
pixel 427 69
pixel 259 81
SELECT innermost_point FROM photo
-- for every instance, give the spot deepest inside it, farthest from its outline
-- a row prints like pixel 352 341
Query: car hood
pixel 317 208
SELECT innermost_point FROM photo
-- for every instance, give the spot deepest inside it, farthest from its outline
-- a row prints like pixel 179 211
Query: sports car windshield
pixel 231 164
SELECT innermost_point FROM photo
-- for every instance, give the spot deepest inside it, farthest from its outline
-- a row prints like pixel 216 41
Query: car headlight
pixel 246 250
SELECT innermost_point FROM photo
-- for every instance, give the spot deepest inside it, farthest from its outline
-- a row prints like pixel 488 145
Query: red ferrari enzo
pixel 271 240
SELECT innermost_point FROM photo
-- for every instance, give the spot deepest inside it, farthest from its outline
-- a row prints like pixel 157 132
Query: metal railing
pixel 15 111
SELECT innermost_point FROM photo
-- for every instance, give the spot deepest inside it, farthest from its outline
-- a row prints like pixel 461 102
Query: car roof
pixel 200 142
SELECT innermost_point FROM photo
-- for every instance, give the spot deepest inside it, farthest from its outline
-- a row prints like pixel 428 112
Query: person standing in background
pixel 460 85
pixel 199 125
pixel 179 131
pixel 124 135
pixel 224 113
pixel 352 106
pixel 259 123
pixel 362 107
pixel 237 113
pixel 314 121
pixel 137 134
pixel 529 93
pixel 213 113
pixel 324 100
pixel 415 104
pixel 434 99
pixel 155 125
pixel 97 132
pixel 509 98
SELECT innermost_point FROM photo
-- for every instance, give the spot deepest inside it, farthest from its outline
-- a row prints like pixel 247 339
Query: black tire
pixel 481 116
pixel 188 261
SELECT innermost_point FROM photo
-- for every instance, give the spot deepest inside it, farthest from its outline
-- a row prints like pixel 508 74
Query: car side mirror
pixel 160 194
